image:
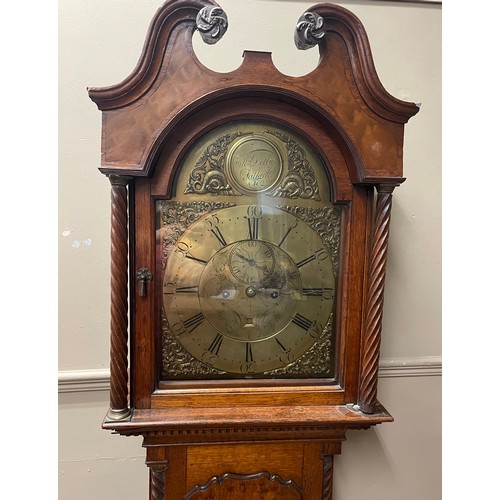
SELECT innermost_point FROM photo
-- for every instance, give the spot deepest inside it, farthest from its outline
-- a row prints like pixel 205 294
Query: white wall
pixel 100 43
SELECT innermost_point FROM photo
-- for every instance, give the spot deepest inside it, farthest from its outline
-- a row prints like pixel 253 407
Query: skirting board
pixel 98 379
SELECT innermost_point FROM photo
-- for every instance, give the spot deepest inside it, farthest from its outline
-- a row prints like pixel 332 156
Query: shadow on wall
pixel 363 462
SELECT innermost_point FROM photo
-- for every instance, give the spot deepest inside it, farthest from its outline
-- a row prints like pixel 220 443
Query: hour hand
pixel 253 262
pixel 243 257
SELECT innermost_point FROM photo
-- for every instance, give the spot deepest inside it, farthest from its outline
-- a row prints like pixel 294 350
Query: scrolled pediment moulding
pixel 344 46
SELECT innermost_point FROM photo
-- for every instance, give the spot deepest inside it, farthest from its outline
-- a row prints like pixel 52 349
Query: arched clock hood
pixel 170 84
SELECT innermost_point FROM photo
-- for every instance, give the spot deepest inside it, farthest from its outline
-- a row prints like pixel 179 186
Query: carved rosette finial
pixel 212 24
pixel 309 30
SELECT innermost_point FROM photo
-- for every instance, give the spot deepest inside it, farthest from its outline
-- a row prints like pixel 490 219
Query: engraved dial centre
pixel 249 290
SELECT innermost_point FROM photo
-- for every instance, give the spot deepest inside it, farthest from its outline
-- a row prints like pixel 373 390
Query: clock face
pixel 248 257
pixel 248 289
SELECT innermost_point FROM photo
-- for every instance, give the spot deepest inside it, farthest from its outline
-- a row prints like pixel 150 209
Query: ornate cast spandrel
pixel 209 174
pixel 326 221
pixel 316 362
pixel 300 180
pixel 176 361
pixel 175 217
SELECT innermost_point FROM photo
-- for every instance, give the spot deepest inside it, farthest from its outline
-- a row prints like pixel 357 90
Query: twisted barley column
pixel 157 483
pixel 327 477
pixel 375 300
pixel 119 408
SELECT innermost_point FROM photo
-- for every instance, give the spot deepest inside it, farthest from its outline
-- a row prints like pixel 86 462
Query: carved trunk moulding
pixel 250 220
pixel 258 485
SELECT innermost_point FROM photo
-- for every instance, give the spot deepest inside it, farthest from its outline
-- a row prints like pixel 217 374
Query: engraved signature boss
pixel 255 164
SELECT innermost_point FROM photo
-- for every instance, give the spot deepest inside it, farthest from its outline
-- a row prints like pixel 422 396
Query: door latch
pixel 142 277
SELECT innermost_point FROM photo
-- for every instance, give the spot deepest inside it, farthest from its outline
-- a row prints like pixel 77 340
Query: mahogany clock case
pixel 153 119
pixel 255 304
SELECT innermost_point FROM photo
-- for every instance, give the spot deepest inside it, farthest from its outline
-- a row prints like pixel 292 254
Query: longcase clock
pixel 249 229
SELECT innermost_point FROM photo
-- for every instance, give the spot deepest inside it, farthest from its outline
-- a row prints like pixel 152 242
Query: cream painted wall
pixel 100 43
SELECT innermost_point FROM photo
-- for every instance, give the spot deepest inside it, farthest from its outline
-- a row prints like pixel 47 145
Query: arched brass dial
pixel 248 289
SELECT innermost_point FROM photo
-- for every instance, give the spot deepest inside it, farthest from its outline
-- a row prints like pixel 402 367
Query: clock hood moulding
pixel 169 84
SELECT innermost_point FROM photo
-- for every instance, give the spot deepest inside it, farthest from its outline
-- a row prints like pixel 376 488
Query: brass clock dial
pixel 248 289
pixel 249 255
